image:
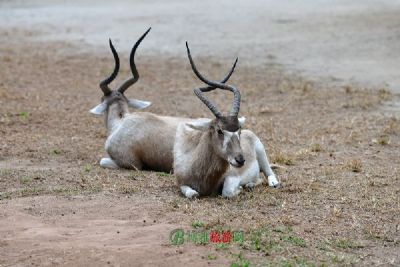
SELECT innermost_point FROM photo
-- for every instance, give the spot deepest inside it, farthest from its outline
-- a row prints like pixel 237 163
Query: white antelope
pixel 138 140
pixel 212 152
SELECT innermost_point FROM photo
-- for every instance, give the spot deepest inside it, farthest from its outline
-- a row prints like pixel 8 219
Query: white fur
pixel 231 186
pixel 249 175
pixel 200 124
pixel 138 138
pixel 241 120
pixel 180 149
pixel 234 178
pixel 108 163
pixel 265 167
pixel 189 192
pixel 99 109
pixel 228 137
pixel 272 181
pixel 138 104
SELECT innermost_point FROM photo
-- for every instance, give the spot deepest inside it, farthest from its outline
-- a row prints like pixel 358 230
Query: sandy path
pixel 335 40
pixel 76 231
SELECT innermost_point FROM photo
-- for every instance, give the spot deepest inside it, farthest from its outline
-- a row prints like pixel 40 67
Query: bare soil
pixel 339 204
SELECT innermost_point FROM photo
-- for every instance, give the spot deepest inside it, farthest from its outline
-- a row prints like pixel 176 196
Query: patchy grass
pixel 392 126
pixel 71 191
pixel 5 195
pixel 32 191
pixel 163 174
pixel 355 165
pixel 383 140
pixel 295 240
pixel 212 257
pixel 283 229
pixel 88 168
pixel 316 148
pixel 345 243
pixel 24 115
pixel 342 259
pixel 127 190
pixel 384 94
pixel 56 151
pixel 5 172
pixel 41 190
pixel 336 182
pixel 26 179
pixel 295 262
pixel 281 158
pixel 240 261
pixel 198 224
pixel 221 247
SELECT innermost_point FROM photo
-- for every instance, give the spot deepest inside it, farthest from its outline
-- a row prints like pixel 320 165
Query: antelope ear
pixel 242 120
pixel 99 109
pixel 138 104
pixel 200 124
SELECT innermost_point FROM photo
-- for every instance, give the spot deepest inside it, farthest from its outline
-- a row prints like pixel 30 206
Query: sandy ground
pixel 338 41
pixel 339 145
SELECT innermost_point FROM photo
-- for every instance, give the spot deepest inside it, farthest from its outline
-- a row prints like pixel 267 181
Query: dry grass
pixel 316 148
pixel 355 165
pixel 282 158
pixel 392 127
pixel 339 204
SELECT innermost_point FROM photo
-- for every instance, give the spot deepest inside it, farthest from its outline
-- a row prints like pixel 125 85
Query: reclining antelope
pixel 138 140
pixel 212 152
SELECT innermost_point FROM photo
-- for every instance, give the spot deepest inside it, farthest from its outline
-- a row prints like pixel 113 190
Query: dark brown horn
pixel 206 101
pixel 224 80
pixel 125 85
pixel 104 84
pixel 236 101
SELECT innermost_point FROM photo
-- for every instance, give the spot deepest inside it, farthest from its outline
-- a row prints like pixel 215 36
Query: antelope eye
pixel 220 132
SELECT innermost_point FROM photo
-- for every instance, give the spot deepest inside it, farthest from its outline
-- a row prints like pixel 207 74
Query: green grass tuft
pixel 24 115
pixel 295 240
pixel 88 168
pixel 198 224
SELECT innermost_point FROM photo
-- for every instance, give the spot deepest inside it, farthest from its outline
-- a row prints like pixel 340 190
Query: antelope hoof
pixel 230 193
pixel 192 194
pixel 189 192
pixel 277 186
pixel 250 186
pixel 273 182
pixel 108 163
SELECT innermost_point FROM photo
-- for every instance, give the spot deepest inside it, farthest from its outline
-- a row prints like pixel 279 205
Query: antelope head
pixel 224 131
pixel 115 99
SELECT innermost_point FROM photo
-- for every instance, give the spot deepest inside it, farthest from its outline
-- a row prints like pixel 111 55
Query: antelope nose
pixel 240 160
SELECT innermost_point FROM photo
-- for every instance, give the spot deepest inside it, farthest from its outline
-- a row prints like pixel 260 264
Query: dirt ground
pixel 339 205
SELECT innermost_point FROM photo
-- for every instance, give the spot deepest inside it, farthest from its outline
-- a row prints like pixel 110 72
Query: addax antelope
pixel 138 140
pixel 212 152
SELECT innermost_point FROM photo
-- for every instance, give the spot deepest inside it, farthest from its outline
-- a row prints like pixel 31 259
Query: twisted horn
pixel 208 102
pixel 227 77
pixel 104 84
pixel 236 100
pixel 125 85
